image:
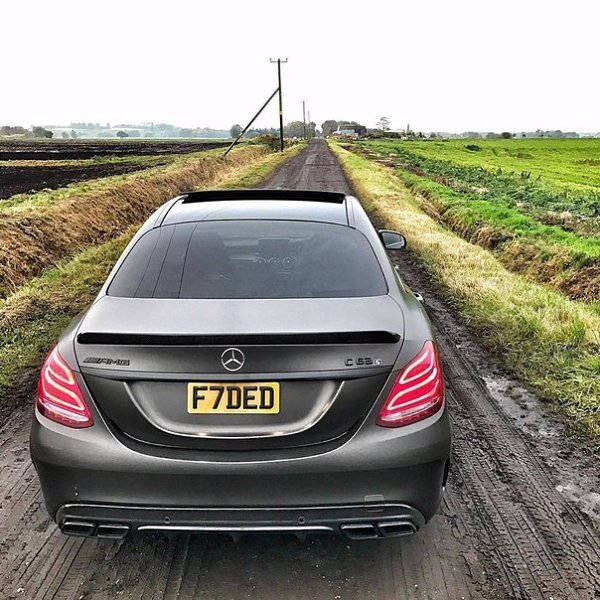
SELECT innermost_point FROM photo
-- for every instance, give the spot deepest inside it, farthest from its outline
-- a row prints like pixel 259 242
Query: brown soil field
pixel 24 180
pixel 81 149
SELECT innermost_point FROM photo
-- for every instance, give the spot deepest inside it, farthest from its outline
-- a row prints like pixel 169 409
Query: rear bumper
pixel 378 475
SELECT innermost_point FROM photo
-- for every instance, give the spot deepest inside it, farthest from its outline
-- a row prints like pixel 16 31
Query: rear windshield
pixel 250 259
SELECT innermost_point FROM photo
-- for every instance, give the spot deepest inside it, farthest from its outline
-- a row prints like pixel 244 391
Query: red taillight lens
pixel 59 397
pixel 418 391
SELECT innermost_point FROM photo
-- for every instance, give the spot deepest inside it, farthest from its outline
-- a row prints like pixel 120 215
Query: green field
pixel 571 163
pixel 534 203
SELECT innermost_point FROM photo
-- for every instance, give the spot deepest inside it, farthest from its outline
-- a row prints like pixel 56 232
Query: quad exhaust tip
pixel 88 529
pixel 360 531
pixel 112 531
pixel 397 528
pixel 369 531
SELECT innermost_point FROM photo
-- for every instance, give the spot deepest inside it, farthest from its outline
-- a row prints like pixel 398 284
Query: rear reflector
pixel 59 397
pixel 418 391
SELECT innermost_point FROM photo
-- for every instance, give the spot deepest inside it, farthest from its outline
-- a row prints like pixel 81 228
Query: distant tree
pixel 74 135
pixel 10 130
pixel 252 133
pixel 64 135
pixel 82 125
pixel 356 127
pixel 506 135
pixel 328 127
pixel 41 132
pixel 186 132
pixel 383 124
pixel 295 129
pixel 235 130
pixel 122 134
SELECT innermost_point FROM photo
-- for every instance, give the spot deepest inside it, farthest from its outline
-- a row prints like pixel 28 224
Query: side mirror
pixel 392 240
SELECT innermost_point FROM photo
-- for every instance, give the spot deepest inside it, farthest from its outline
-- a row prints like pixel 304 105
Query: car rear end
pixel 171 405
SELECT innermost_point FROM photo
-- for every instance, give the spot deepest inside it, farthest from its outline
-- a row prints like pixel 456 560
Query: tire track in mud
pixel 503 530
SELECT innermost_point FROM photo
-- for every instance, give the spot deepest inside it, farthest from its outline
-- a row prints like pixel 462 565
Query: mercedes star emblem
pixel 233 359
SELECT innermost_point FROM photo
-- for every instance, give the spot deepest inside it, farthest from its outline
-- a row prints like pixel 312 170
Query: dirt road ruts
pixel 516 522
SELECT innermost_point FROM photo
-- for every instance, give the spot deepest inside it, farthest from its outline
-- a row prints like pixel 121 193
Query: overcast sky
pixel 438 64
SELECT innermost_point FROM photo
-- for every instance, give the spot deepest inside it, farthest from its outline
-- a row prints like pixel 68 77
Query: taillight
pixel 59 397
pixel 418 391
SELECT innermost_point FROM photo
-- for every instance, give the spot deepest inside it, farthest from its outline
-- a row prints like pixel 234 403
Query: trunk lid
pixel 144 359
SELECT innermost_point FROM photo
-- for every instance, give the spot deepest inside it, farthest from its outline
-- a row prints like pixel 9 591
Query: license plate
pixel 224 398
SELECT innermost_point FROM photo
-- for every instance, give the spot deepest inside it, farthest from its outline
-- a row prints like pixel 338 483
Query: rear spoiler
pixel 251 339
pixel 220 195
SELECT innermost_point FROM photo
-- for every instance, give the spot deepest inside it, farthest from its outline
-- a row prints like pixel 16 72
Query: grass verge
pixel 32 318
pixel 548 341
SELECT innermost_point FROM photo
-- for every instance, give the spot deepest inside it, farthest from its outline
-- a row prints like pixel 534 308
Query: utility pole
pixel 304 116
pixel 279 61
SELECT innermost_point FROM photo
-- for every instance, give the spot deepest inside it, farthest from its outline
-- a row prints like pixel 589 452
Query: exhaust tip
pixel 113 531
pixel 360 531
pixel 397 528
pixel 79 528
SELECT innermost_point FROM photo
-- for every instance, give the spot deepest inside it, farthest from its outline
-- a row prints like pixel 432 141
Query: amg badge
pixel 96 360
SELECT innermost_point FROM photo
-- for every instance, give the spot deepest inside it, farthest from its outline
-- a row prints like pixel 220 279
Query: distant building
pixel 347 133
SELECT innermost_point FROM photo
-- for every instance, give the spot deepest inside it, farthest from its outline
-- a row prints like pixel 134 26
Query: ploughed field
pixel 30 166
pixel 534 203
pixel 80 149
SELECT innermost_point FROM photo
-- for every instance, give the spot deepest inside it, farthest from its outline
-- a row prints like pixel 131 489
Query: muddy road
pixel 518 520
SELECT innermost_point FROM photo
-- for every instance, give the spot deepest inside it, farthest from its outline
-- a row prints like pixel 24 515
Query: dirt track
pixel 517 520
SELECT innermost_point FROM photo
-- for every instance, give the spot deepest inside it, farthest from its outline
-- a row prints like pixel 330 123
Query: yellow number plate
pixel 224 398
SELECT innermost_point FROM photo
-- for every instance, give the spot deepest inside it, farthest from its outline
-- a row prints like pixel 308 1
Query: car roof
pixel 287 205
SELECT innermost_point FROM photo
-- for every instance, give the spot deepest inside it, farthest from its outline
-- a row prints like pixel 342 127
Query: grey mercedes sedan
pixel 254 362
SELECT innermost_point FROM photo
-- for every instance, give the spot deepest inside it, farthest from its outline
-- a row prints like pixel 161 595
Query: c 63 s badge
pixel 362 361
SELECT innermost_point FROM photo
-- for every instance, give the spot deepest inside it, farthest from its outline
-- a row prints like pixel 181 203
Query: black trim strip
pixel 220 195
pixel 252 339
